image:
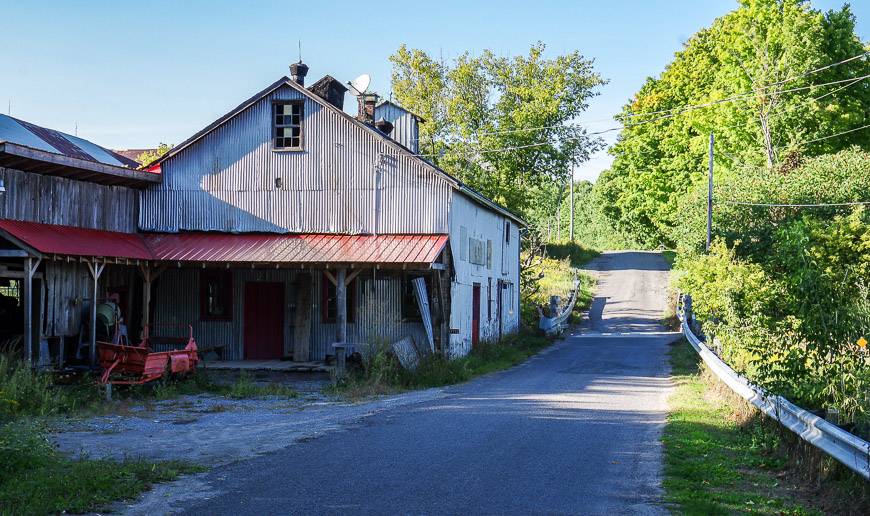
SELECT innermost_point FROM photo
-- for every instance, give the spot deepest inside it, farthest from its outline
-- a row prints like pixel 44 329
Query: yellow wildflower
pixel 862 343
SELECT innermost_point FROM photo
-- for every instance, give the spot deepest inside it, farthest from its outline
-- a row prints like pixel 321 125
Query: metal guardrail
pixel 850 450
pixel 555 325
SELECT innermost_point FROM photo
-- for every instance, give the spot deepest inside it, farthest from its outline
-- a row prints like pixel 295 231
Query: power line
pixel 833 135
pixel 812 205
pixel 755 92
pixel 735 97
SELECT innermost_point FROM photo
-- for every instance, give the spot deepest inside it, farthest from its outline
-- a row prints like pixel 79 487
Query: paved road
pixel 574 430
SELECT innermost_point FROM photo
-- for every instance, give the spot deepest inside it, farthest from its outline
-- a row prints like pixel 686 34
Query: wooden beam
pixel 96 269
pixel 351 276
pixel 13 253
pixel 331 277
pixel 341 306
pixel 26 307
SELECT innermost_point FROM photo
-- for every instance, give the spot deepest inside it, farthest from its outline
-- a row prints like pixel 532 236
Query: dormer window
pixel 287 125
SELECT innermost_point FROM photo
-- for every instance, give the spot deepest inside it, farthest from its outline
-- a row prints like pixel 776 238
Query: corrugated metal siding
pixel 379 315
pixel 406 129
pixel 227 181
pixel 67 202
pixel 378 310
pixel 177 302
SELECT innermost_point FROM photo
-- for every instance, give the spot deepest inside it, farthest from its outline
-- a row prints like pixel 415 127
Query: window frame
pixel 276 126
pixel 325 286
pixel 225 283
pixel 409 298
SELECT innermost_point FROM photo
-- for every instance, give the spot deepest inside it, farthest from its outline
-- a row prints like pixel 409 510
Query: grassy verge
pixel 36 479
pixel 382 374
pixel 720 458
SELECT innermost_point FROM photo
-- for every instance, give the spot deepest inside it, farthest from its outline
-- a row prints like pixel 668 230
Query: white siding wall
pixel 470 222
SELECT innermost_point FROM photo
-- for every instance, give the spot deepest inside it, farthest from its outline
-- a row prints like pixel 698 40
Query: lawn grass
pixel 719 456
pixel 37 479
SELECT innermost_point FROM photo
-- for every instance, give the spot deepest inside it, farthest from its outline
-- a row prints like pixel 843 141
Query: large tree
pixel 504 125
pixel 752 71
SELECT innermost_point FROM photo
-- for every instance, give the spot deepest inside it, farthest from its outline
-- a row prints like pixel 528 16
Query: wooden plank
pixel 302 318
pixel 99 171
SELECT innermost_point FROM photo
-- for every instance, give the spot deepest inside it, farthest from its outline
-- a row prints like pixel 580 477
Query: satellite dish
pixel 359 85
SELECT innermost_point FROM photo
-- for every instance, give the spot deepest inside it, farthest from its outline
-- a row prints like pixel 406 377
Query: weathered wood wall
pixel 57 200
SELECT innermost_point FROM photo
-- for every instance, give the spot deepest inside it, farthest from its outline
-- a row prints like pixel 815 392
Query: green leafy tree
pixel 479 110
pixel 762 53
pixel 150 155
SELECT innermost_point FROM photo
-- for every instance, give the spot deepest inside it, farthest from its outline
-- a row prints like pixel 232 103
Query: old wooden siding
pixel 346 181
pixel 406 129
pixel 68 289
pixel 378 311
pixel 57 200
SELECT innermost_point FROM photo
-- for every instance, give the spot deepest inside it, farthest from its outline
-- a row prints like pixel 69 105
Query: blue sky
pixel 133 74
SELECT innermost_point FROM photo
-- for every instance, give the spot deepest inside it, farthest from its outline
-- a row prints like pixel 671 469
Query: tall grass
pixel 25 391
pixel 381 372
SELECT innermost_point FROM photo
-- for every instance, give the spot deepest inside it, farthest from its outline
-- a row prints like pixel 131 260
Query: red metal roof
pixel 223 247
pixel 300 249
pixel 71 241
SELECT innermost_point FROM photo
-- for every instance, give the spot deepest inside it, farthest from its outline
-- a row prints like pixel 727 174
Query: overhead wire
pixel 728 99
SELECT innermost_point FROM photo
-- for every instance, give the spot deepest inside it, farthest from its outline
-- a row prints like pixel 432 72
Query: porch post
pixel 146 299
pixel 341 305
pixel 96 270
pixel 27 308
pixel 341 320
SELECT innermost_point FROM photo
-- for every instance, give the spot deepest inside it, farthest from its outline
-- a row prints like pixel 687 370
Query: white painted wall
pixel 470 222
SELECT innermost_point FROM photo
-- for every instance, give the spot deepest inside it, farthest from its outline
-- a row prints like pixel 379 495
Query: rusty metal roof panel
pixel 73 241
pixel 20 132
pixel 295 248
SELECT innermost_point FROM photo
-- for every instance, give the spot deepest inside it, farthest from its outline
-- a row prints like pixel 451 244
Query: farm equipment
pixel 134 365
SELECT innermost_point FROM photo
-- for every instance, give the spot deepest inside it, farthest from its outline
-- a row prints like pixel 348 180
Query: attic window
pixel 287 125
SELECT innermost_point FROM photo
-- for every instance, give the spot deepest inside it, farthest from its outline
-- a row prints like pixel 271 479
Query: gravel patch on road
pixel 212 430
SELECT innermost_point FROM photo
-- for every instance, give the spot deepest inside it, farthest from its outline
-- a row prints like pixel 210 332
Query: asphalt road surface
pixel 575 430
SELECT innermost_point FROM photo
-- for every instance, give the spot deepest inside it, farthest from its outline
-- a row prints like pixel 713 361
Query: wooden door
pixel 475 315
pixel 264 320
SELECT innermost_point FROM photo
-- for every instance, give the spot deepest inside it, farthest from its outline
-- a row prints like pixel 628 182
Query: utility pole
pixel 710 195
pixel 571 231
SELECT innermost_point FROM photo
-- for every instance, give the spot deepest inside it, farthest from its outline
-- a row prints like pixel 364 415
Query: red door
pixel 475 314
pixel 264 320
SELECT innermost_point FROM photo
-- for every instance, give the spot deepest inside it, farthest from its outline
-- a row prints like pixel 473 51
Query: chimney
pixel 330 90
pixel 367 102
pixel 298 71
pixel 384 126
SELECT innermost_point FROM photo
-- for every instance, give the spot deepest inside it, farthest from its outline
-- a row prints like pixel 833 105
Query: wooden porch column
pixel 27 308
pixel 341 305
pixel 146 299
pixel 96 270
pixel 148 277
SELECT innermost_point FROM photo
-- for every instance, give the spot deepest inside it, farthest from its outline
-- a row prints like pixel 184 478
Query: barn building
pixel 282 228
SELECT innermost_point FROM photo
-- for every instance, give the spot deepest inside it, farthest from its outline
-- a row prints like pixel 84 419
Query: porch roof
pixel 290 249
pixel 53 239
pixel 301 249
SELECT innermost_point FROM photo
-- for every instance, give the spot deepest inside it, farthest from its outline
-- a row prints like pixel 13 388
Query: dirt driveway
pixel 212 430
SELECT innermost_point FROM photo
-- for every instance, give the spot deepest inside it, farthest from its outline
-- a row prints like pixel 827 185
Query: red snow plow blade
pixel 133 365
